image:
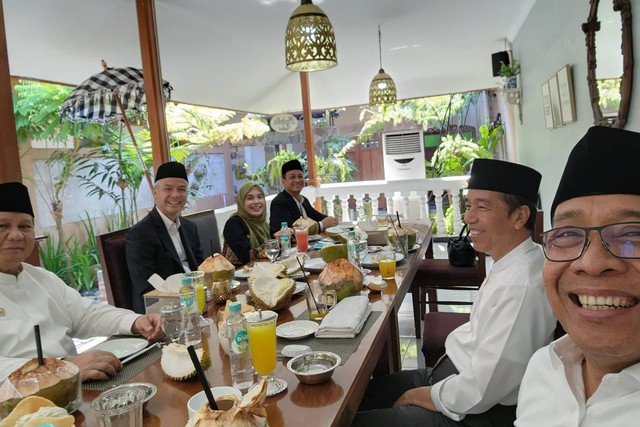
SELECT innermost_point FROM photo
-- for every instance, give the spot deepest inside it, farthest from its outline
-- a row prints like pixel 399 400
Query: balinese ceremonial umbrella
pixel 109 96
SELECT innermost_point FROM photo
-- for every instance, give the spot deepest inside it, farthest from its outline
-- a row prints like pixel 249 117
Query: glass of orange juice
pixel 387 265
pixel 261 331
pixel 197 278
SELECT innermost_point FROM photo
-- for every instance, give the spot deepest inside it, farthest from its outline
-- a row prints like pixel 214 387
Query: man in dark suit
pixel 163 242
pixel 290 205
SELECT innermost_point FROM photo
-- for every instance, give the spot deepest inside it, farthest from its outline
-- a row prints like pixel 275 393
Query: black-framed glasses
pixel 621 240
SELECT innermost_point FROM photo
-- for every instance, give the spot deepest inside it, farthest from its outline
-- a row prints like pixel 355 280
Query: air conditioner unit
pixel 403 155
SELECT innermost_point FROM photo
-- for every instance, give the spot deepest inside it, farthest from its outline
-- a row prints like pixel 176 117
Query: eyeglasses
pixel 622 240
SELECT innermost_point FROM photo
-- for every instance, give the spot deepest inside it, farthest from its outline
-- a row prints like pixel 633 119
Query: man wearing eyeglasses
pixel 591 376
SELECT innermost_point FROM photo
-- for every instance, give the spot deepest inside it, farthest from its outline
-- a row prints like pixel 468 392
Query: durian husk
pixel 291 265
pixel 34 405
pixel 178 354
pixel 269 293
pixel 246 412
pixel 266 269
pixel 57 380
pixel 343 277
pixel 215 268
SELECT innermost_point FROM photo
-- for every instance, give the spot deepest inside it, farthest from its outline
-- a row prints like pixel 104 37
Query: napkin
pixel 346 319
pixel 170 285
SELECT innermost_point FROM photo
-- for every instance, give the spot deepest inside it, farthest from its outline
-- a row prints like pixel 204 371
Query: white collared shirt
pixel 172 229
pixel 552 392
pixel 509 321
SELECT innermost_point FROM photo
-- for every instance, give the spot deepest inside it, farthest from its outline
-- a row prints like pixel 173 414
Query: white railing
pixel 409 197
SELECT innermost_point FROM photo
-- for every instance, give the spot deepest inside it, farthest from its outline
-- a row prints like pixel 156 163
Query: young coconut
pixel 217 267
pixel 176 362
pixel 343 277
pixel 311 225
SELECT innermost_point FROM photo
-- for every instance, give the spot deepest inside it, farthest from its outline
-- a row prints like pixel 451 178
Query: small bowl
pixel 199 399
pixel 314 367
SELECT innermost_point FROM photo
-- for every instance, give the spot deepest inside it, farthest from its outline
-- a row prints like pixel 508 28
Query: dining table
pixel 332 403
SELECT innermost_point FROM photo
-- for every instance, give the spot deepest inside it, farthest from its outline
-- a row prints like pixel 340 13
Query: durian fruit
pixel 291 265
pixel 268 293
pixel 309 223
pixel 343 277
pixel 266 269
pixel 333 252
pixel 215 268
pixel 176 362
pixel 37 411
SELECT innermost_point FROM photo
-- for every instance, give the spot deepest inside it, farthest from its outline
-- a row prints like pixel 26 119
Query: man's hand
pixel 329 221
pixel 420 396
pixel 148 326
pixel 96 364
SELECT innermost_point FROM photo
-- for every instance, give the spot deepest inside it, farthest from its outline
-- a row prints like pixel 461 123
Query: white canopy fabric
pixel 230 53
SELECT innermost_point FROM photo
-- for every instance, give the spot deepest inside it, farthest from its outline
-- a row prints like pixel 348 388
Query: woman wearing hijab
pixel 246 230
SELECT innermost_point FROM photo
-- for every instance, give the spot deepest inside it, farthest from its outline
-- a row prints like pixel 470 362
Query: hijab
pixel 258 227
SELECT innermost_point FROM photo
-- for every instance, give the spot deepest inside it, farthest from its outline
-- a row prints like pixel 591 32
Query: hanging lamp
pixel 310 44
pixel 382 89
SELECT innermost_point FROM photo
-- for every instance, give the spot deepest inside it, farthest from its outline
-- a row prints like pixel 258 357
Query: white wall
pixel 550 38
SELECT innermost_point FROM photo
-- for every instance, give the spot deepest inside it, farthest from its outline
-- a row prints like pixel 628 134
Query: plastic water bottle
pixel 353 248
pixel 192 332
pixel 285 239
pixel 241 367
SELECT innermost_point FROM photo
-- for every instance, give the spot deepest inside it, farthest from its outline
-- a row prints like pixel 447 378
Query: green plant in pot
pixel 510 73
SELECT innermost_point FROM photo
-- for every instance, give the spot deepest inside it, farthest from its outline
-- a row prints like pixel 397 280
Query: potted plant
pixel 510 72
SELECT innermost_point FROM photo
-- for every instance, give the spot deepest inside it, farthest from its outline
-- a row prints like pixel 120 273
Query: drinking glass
pixel 172 320
pixel 387 265
pixel 302 238
pixel 197 280
pixel 119 407
pixel 272 249
pixel 261 331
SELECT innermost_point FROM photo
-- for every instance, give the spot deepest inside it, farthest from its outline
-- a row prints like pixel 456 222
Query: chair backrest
pixel 117 282
pixel 207 231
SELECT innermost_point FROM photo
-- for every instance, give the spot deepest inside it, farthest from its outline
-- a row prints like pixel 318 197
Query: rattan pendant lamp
pixel 310 44
pixel 383 89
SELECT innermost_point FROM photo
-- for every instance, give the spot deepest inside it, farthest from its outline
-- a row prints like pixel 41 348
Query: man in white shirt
pixel 163 242
pixel 591 376
pixel 32 296
pixel 476 383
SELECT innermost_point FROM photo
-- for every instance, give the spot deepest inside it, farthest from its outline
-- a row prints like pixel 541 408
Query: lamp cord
pixel 380 45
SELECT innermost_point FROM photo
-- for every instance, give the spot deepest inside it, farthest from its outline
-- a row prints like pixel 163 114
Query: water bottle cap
pixel 235 307
pixel 284 224
pixel 187 280
pixel 352 233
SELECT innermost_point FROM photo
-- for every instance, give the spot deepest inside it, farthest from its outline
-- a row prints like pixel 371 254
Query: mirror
pixel 607 81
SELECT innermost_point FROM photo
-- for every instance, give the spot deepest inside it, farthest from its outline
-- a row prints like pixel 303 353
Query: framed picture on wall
pixel 556 109
pixel 565 88
pixel 546 104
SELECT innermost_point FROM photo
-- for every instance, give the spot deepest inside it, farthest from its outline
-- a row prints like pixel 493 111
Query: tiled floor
pixel 410 345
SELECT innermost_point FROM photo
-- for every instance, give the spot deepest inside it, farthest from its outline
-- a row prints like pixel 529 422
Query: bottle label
pixel 240 343
pixel 187 301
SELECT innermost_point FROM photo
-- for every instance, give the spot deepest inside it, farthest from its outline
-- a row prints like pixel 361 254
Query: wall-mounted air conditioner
pixel 403 154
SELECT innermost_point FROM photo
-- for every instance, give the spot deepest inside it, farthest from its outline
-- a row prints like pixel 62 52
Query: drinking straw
pixel 398 216
pixel 36 331
pixel 203 379
pixel 306 279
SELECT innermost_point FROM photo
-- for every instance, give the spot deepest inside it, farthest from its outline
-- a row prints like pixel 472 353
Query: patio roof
pixel 230 53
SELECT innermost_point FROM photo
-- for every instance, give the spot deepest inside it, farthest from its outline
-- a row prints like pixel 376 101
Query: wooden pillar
pixel 153 81
pixel 308 136
pixel 9 153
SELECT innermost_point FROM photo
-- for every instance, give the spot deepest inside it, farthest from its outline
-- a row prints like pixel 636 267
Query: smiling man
pixel 34 296
pixel 290 204
pixel 163 242
pixel 591 376
pixel 476 383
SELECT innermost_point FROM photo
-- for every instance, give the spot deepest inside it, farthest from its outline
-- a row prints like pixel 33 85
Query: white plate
pixel 122 347
pixel 315 265
pixel 414 248
pixel 299 287
pixel 371 261
pixel 297 329
pixel 234 284
pixel 373 249
pixel 240 274
pixel 299 275
pixel 315 237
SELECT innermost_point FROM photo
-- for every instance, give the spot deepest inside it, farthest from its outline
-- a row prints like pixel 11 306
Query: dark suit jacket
pixel 284 208
pixel 149 250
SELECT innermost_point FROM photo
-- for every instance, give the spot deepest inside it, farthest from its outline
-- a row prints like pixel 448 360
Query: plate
pixel 414 248
pixel 240 274
pixel 122 347
pixel 315 265
pixel 297 329
pixel 234 284
pixel 373 249
pixel 315 237
pixel 371 261
pixel 299 287
pixel 320 245
pixel 299 275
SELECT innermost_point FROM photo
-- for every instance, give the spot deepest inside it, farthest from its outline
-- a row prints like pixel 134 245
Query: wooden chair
pixel 117 283
pixel 207 231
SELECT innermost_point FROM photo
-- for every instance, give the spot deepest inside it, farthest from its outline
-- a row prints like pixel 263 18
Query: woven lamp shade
pixel 310 44
pixel 382 90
